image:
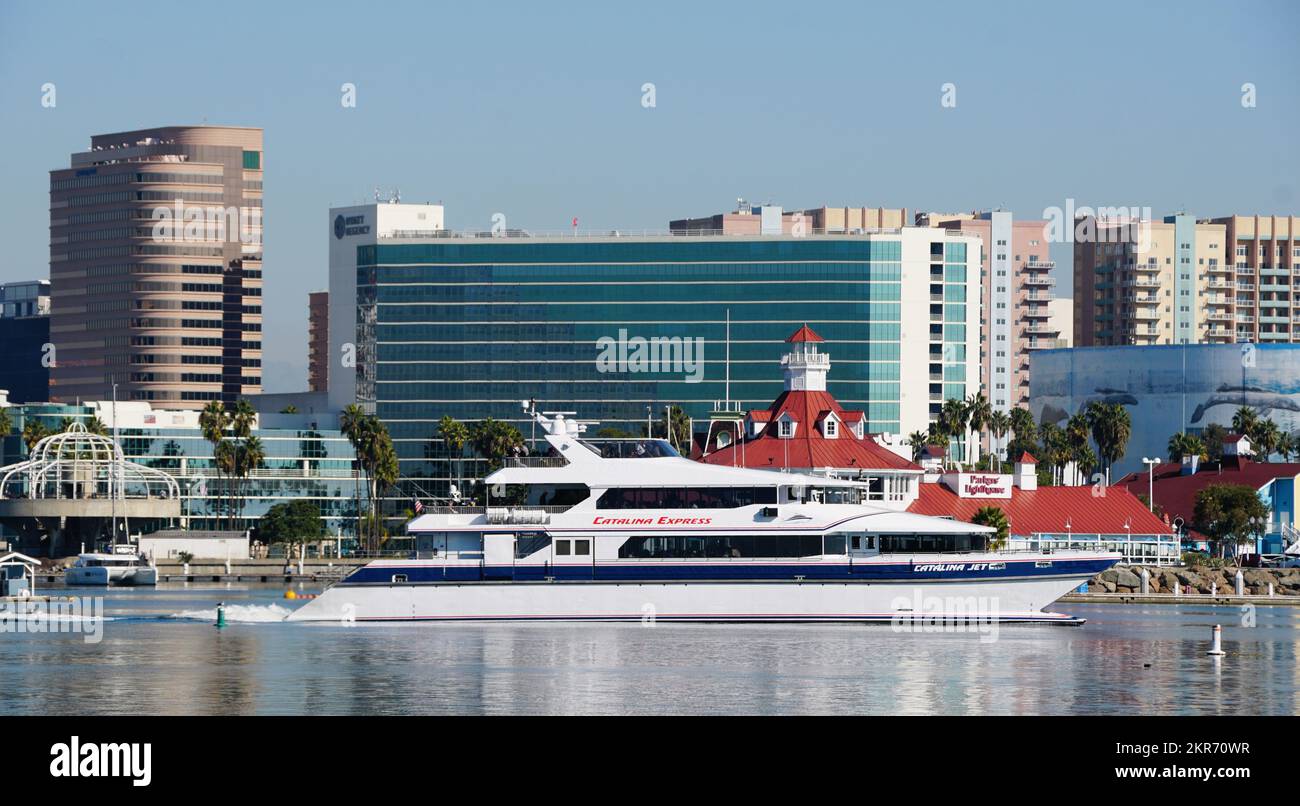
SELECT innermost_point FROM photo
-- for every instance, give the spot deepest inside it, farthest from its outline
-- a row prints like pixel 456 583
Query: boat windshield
pixel 631 448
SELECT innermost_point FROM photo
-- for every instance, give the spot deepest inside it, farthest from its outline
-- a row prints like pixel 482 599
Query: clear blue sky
pixel 534 110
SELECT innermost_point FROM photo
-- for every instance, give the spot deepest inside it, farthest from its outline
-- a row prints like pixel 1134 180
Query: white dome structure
pixel 78 465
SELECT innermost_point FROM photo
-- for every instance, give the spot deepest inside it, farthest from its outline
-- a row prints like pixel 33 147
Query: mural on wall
pixel 1169 388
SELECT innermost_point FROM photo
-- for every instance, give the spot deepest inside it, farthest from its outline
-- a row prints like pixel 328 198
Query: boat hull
pixel 1003 600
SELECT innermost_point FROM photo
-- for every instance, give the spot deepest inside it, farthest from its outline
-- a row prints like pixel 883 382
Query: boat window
pixel 561 548
pixel 582 547
pixel 834 544
pixel 529 543
pixel 557 495
pixel 631 448
pixel 685 497
pixel 901 544
pixel 684 546
pixel 399 577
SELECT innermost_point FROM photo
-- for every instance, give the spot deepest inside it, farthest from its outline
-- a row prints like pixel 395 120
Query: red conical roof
pixel 804 333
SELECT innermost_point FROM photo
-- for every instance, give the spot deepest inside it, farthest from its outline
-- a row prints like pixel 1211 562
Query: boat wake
pixel 242 614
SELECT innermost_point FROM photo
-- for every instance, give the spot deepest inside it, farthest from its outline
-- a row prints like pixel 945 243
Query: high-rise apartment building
pixel 1016 287
pixel 156 267
pixel 318 341
pixel 1171 281
pixel 1265 255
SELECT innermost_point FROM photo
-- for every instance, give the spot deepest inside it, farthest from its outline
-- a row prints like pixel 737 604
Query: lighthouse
pixel 805 368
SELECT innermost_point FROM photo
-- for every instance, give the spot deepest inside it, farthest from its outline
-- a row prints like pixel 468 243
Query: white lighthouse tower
pixel 805 369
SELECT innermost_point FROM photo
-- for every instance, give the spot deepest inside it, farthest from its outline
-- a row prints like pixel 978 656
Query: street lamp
pixel 1151 482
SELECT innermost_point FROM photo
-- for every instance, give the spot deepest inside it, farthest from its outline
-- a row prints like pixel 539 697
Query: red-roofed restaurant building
pixel 1054 517
pixel 1174 486
pixel 805 430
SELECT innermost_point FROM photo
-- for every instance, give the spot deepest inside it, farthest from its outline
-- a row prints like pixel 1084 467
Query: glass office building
pixel 615 329
pixel 301 463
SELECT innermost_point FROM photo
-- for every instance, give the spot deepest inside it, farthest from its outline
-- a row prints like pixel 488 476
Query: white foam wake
pixel 247 614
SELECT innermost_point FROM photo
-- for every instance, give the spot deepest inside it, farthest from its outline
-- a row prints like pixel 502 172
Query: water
pixel 160 654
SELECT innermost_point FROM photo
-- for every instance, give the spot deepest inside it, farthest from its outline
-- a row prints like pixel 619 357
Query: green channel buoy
pixel 221 614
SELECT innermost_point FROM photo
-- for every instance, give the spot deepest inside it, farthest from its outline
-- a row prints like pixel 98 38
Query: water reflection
pixel 1127 660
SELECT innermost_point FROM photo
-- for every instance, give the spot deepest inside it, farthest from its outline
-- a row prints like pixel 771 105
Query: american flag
pixel 419 506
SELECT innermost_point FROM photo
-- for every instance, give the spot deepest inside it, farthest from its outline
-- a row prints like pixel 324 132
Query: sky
pixel 535 111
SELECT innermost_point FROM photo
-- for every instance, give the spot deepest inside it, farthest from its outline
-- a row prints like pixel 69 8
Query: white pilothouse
pixel 630 530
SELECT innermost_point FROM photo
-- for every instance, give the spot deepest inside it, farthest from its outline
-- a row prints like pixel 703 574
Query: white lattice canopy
pixel 79 465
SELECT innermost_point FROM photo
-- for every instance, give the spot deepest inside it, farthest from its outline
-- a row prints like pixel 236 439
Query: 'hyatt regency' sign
pixel 350 225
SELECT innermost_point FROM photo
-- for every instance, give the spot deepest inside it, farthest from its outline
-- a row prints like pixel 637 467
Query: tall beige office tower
pixel 156 267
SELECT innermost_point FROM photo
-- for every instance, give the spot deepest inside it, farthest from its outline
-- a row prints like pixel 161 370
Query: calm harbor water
pixel 159 653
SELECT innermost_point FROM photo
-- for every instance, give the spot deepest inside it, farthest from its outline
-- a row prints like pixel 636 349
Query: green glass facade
pixel 470 328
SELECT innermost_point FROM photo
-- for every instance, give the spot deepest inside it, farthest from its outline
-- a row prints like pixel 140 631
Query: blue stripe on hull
pixel 654 572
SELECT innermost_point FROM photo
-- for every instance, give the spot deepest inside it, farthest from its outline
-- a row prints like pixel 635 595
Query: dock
pixel 1227 599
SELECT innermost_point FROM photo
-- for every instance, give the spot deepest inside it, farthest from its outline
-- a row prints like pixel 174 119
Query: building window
pixel 253 160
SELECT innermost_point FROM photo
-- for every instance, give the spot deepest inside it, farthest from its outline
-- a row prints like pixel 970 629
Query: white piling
pixel 1239 583
pixel 1146 582
pixel 1178 588
pixel 1214 588
pixel 1270 589
pixel 1217 647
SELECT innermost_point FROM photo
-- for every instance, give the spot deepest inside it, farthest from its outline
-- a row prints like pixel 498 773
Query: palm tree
pixel 6 422
pixel 952 420
pixel 1265 434
pixel 1026 433
pixel 1244 419
pixel 33 432
pixel 1055 449
pixel 454 436
pixel 1111 429
pixel 1184 445
pixel 494 440
pixel 918 440
pixel 248 457
pixel 96 426
pixel 997 519
pixel 999 424
pixel 214 420
pixel 1286 445
pixel 350 423
pixel 978 411
pixel 1076 438
pixel 1213 436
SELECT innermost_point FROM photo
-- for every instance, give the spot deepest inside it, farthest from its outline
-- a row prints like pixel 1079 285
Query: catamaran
pixel 629 530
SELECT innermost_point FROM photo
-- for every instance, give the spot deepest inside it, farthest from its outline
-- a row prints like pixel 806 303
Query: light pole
pixel 1151 482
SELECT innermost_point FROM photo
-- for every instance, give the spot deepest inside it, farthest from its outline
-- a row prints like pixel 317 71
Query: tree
pixel 33 432
pixel 1244 419
pixel 1229 513
pixel 999 424
pixel 995 518
pixel 1213 437
pixel 1184 445
pixel 1264 435
pixel 96 426
pixel 378 462
pixel 351 420
pixel 1026 434
pixel 1286 446
pixel 249 456
pixel 977 415
pixel 1055 449
pixel 1111 429
pixel 679 432
pixel 918 440
pixel 952 420
pixel 214 421
pixel 1077 449
pixel 6 422
pixel 297 521
pixel 289 409
pixel 454 436
pixel 494 440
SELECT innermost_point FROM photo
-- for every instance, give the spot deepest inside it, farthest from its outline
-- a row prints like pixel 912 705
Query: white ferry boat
pixel 110 569
pixel 631 531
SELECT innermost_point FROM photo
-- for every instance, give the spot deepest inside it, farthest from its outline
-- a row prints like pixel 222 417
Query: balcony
pixel 1142 282
pixel 1145 268
pixel 1037 329
pixel 1147 315
pixel 1041 280
pixel 1042 265
pixel 1040 296
pixel 1036 312
pixel 1219 316
pixel 1047 344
